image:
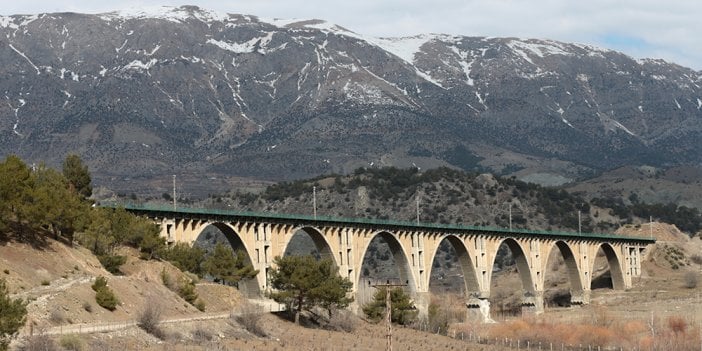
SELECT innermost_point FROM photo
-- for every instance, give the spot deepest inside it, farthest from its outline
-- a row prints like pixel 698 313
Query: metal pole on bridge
pixel 314 201
pixel 417 208
pixel 174 192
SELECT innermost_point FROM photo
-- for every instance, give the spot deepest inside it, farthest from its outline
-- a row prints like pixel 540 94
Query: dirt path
pixel 87 328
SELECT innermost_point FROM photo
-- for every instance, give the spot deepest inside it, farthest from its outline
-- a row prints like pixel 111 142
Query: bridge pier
pixel 421 302
pixel 478 310
pixel 533 303
pixel 581 297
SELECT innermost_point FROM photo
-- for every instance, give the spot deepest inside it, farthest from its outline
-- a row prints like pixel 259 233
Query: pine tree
pixel 185 257
pixel 78 175
pixel 302 282
pixel 227 266
pixel 13 314
pixel 403 310
pixel 54 206
pixel 16 183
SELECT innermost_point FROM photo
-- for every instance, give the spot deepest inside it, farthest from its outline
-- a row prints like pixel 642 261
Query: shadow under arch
pixel 615 267
pixel 470 277
pixel 320 242
pixel 576 286
pixel 249 288
pixel 522 265
pixel 364 292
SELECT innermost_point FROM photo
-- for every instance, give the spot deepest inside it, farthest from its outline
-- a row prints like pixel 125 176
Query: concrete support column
pixel 483 269
pixel 478 310
pixel 533 302
pixel 581 297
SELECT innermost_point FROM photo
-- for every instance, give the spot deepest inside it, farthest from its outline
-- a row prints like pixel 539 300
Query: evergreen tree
pixel 54 206
pixel 16 183
pixel 403 310
pixel 185 257
pixel 77 175
pixel 97 236
pixel 13 314
pixel 227 266
pixel 302 282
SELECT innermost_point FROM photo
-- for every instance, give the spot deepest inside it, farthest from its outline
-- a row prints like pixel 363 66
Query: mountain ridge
pixel 138 95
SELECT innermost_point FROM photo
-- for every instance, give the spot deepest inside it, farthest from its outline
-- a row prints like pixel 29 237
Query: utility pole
pixel 174 193
pixel 510 216
pixel 314 201
pixel 417 208
pixel 580 227
pixel 388 309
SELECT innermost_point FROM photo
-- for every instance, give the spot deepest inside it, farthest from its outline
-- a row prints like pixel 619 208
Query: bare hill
pixel 56 280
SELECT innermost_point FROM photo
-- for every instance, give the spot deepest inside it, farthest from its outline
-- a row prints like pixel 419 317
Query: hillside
pixel 60 306
pixel 212 97
pixel 56 280
pixel 449 196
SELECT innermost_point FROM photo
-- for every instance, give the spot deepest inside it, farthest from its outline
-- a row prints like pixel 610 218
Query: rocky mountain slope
pixel 188 91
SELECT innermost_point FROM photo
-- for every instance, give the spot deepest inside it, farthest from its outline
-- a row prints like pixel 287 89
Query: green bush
pixel 112 262
pixel 200 305
pixel 187 291
pixel 104 296
pixel 13 314
pixel 100 282
pixel 166 279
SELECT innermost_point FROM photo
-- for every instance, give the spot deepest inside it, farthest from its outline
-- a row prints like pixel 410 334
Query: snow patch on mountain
pixel 168 13
pixel 256 44
pixel 527 49
pixel 139 65
pixel 404 48
pixel 467 66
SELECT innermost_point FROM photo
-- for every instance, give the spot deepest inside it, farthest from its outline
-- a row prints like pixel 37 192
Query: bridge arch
pixel 321 243
pixel 251 287
pixel 520 259
pixel 573 271
pixel 399 254
pixel 470 276
pixel 615 265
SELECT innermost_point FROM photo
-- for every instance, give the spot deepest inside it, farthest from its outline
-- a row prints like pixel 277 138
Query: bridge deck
pixel 229 215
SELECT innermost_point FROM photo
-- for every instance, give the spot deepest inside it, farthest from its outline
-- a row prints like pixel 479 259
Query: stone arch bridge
pixel 413 245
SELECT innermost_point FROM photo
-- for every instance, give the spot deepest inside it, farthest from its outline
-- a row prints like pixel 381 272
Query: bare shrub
pixel 696 258
pixel 39 342
pixel 201 335
pixel 57 316
pixel 150 318
pixel 677 324
pixel 691 279
pixel 87 307
pixel 71 342
pixel 342 320
pixel 248 315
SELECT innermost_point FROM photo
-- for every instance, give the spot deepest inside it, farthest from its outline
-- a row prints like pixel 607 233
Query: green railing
pixel 210 212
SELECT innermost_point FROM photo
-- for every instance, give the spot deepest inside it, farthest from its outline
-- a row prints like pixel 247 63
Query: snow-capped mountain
pixel 183 89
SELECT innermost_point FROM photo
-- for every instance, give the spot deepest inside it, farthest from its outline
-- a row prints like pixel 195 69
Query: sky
pixel 669 30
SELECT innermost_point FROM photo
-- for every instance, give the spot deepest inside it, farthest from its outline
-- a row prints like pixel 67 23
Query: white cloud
pixel 641 28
